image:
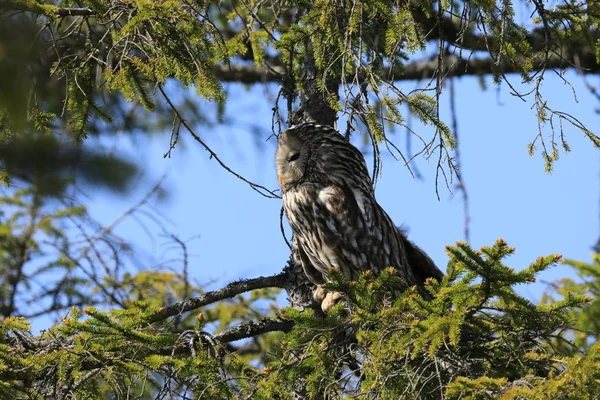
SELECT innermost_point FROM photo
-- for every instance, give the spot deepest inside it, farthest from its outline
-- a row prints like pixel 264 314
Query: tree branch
pixel 258 188
pixel 46 9
pixel 314 105
pixel 582 60
pixel 467 39
pixel 65 12
pixel 248 73
pixel 227 292
pixel 254 328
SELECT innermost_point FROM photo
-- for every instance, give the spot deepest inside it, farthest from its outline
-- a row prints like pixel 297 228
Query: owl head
pixel 318 154
pixel 293 153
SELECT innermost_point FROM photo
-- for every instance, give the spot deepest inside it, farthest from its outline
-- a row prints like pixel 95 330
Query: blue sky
pixel 237 231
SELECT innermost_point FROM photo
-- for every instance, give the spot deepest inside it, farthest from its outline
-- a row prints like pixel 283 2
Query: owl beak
pixel 280 179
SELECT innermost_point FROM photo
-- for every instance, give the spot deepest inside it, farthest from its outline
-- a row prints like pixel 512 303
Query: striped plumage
pixel 330 204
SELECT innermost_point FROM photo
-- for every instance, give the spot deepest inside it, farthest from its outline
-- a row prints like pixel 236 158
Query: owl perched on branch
pixel 330 204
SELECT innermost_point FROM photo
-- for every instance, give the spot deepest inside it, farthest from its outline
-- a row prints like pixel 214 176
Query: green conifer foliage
pixel 477 338
pixel 97 52
pixel 586 328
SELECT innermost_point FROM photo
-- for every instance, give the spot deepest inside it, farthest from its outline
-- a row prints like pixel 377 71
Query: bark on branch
pixel 254 328
pixel 65 12
pixel 582 60
pixel 46 9
pixel 227 292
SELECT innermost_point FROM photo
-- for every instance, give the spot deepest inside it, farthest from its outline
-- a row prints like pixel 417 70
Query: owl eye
pixel 294 156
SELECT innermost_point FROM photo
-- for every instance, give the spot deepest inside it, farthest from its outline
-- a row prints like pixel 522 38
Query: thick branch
pixel 314 106
pixel 467 39
pixel 248 73
pixel 583 61
pixel 227 292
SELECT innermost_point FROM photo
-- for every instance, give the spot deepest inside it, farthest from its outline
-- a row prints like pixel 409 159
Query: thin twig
pixel 256 187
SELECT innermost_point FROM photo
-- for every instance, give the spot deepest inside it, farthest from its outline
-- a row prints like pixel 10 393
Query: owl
pixel 330 204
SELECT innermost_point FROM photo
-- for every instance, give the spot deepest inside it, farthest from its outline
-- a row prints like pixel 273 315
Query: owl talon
pixel 319 294
pixel 331 299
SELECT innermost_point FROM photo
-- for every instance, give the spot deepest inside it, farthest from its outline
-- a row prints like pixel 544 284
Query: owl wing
pixel 348 228
pixel 364 237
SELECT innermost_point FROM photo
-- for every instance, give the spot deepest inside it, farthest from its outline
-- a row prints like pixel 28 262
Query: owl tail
pixel 419 262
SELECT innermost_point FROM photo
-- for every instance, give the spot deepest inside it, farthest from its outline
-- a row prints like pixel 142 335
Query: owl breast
pixel 333 229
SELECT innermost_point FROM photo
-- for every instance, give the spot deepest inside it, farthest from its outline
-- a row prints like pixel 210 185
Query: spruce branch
pixel 94 363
